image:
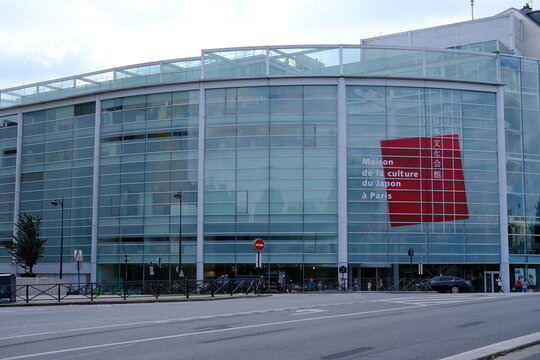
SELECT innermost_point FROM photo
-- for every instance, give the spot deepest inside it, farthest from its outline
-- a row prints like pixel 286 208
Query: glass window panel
pixel 320 92
pixel 382 61
pixel 304 61
pixel 132 102
pixel 235 63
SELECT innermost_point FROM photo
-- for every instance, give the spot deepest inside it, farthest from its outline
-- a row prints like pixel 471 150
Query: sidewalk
pixel 44 300
pixel 508 349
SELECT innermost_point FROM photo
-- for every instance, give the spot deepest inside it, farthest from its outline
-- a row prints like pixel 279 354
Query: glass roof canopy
pixel 269 61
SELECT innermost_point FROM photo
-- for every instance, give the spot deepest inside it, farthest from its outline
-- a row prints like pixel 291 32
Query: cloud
pixel 43 40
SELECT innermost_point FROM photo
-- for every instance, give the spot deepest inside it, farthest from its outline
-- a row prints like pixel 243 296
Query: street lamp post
pixel 126 259
pixel 178 196
pixel 61 203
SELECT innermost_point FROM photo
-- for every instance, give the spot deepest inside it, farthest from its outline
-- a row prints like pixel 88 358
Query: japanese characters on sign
pixel 424 180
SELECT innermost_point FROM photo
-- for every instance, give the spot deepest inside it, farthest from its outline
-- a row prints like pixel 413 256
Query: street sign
pixel 258 245
pixel 179 271
pixel 78 255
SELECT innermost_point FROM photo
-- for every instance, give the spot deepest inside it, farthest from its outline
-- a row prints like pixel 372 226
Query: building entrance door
pixel 490 281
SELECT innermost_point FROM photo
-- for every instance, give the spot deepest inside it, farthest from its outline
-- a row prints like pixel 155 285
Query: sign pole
pixel 258 262
pixel 258 246
pixel 410 252
pixel 78 257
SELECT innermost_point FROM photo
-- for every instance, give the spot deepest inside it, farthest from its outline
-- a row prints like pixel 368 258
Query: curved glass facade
pixel 56 163
pixel 271 172
pixel 148 154
pixel 335 156
pixel 379 113
pixel 522 123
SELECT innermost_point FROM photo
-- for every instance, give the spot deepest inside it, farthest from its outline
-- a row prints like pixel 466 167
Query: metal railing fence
pixel 126 289
pixel 190 287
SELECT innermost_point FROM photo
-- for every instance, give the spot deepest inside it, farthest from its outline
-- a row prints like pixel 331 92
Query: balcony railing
pixel 269 61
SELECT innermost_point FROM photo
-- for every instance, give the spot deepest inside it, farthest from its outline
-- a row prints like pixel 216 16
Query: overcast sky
pixel 47 39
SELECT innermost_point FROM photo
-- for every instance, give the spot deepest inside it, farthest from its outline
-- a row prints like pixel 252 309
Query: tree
pixel 27 247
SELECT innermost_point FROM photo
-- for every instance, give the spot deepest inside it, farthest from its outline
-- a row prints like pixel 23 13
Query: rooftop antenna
pixel 472 9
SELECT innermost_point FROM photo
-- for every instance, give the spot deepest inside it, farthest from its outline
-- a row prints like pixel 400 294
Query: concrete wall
pixel 37 285
pixel 469 32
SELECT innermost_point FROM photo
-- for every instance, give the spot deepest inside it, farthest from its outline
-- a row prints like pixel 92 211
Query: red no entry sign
pixel 258 245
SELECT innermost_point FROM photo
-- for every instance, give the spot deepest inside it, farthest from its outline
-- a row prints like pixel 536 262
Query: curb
pixel 501 348
pixel 111 301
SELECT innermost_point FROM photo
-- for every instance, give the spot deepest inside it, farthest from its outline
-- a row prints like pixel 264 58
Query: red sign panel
pixel 424 180
pixel 258 244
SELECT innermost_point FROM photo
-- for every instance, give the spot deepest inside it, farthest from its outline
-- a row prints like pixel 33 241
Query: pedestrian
pixel 311 285
pixel 369 285
pixel 320 286
pixel 355 284
pixel 519 285
pixel 381 285
pixel 525 286
pixel 532 283
pixel 499 284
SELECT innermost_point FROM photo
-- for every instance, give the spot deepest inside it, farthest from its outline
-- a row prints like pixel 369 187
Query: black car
pixel 449 284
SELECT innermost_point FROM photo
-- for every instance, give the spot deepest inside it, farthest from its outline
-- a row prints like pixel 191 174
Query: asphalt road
pixel 309 326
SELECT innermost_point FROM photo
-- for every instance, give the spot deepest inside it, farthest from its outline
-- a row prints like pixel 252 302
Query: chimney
pixel 526 8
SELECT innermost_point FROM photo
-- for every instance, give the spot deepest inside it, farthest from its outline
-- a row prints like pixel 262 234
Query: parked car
pixel 449 284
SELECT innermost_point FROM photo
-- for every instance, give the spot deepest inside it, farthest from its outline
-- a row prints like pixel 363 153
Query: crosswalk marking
pixel 441 299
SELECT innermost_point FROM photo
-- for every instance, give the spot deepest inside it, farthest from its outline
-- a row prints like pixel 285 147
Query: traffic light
pixel 410 252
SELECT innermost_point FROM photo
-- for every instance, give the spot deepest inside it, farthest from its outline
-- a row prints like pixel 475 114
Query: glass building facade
pixel 522 125
pixel 376 113
pixel 335 156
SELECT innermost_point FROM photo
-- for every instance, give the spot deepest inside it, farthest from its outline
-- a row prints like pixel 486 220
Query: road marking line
pixel 440 300
pixel 398 300
pixel 130 342
pixel 151 322
pixel 307 311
